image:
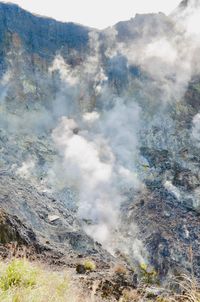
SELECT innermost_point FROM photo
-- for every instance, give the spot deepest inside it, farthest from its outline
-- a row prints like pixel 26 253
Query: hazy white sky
pixel 96 13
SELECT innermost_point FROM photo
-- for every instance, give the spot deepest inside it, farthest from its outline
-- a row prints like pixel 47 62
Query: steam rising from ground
pixel 98 162
pixel 96 128
pixel 99 148
pixel 26 170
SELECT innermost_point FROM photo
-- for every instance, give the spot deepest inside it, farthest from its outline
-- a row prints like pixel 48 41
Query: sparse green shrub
pixel 22 281
pixel 89 265
pixel 148 274
pixel 18 273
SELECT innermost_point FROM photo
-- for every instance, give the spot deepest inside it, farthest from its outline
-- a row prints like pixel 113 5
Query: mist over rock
pixel 99 135
pixel 187 3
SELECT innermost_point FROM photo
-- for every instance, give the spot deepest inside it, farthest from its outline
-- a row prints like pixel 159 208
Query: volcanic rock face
pixel 99 137
pixel 34 220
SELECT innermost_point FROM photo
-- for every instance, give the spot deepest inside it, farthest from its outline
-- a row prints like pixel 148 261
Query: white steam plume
pixel 98 161
pixel 96 137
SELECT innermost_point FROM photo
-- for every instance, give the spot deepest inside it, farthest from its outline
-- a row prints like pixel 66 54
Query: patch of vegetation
pixel 21 281
pixel 89 265
pixel 148 274
pixel 18 273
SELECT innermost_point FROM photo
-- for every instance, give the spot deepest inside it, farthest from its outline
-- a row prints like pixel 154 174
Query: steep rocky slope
pixel 99 137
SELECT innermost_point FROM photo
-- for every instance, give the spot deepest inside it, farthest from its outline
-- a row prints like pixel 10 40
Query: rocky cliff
pixel 99 137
